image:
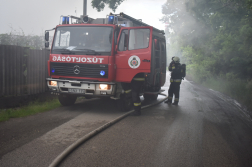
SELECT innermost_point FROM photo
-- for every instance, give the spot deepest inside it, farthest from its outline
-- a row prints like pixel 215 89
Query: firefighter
pixel 135 85
pixel 176 78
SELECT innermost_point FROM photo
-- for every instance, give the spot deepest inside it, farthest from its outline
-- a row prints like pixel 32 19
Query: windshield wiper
pixel 85 51
pixel 64 51
pixel 89 51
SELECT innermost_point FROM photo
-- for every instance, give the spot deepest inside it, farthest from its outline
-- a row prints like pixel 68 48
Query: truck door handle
pixel 145 60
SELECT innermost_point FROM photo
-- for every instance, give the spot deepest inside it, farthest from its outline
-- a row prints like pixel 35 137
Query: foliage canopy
pixel 100 4
pixel 214 37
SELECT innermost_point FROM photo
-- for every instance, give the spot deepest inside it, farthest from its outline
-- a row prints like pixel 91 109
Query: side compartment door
pixel 133 53
pixel 163 62
pixel 157 76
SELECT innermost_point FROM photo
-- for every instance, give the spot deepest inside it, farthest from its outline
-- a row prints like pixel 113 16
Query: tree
pixel 100 4
pixel 20 39
pixel 249 4
pixel 213 36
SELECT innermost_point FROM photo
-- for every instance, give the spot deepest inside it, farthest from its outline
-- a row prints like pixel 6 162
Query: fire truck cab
pixel 100 57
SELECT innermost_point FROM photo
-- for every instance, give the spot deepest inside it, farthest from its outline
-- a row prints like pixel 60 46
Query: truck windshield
pixel 83 40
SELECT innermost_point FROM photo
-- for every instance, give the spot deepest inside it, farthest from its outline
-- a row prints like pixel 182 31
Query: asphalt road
pixel 206 129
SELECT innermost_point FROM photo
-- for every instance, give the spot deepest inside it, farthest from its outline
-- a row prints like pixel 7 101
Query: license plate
pixel 76 90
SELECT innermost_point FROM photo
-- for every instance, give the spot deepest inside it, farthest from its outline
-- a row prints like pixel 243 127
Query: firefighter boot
pixel 137 108
pixel 137 113
pixel 169 101
pixel 175 103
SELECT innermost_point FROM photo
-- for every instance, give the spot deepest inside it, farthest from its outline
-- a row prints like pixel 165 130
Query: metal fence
pixel 22 70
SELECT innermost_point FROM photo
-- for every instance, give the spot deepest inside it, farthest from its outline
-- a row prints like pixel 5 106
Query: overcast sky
pixel 36 16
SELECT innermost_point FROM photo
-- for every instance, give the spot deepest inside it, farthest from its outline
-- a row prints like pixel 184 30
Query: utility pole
pixel 84 7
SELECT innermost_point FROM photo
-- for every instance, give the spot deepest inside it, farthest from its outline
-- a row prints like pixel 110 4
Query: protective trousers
pixel 174 89
pixel 135 86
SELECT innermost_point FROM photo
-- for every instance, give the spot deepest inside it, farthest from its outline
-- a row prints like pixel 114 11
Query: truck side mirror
pixel 47 36
pixel 46 44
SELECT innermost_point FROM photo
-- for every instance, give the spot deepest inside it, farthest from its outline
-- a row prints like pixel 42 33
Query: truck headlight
pixel 104 87
pixel 53 83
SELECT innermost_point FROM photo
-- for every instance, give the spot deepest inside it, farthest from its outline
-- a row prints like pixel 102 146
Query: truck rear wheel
pixel 150 96
pixel 124 103
pixel 67 100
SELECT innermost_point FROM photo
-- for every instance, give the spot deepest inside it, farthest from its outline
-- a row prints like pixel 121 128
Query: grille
pixel 86 70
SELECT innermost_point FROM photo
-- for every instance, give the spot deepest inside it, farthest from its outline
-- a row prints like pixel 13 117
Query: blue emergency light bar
pixel 65 20
pixel 111 19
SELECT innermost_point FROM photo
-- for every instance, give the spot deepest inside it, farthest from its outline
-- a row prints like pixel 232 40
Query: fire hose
pixel 80 141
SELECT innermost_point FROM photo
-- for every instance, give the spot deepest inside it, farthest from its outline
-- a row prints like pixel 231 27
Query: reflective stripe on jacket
pixel 139 79
pixel 128 91
pixel 175 80
pixel 137 104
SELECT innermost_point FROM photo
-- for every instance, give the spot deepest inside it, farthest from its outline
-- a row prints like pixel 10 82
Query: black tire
pixel 67 100
pixel 124 104
pixel 150 96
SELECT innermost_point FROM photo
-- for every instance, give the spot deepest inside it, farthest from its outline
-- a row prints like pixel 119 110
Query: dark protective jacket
pixel 175 68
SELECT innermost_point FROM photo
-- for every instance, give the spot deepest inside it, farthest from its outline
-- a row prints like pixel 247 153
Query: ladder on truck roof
pixel 135 21
pixel 86 19
pixel 140 23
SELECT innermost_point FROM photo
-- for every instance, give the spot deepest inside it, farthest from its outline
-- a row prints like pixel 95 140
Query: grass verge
pixel 239 89
pixel 31 109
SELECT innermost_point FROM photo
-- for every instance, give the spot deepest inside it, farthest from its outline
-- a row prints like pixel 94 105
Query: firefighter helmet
pixel 176 59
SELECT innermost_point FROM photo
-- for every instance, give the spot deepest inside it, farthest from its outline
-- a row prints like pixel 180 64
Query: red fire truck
pixel 100 57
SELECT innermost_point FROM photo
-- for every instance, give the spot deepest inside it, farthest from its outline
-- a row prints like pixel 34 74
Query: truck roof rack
pixel 121 16
pixel 140 23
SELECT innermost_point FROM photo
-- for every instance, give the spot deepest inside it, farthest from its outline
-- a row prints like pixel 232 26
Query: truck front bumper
pixel 81 88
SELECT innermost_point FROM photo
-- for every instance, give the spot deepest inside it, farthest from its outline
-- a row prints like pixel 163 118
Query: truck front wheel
pixel 67 100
